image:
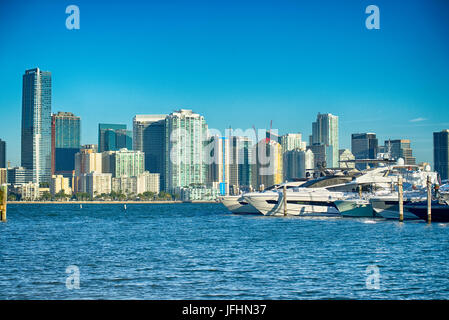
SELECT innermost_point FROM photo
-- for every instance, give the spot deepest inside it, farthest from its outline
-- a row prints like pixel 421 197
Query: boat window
pixel 326 181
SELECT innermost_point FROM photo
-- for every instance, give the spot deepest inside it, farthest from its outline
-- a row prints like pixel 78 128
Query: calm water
pixel 200 251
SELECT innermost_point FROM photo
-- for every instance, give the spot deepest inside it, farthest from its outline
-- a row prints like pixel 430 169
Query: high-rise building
pixel 441 153
pixel 292 141
pixel 2 154
pixel 297 162
pixel 36 124
pixel 325 131
pixel 65 142
pixel 218 162
pixel 401 148
pixel 240 161
pixel 149 137
pixel 86 161
pixel 185 137
pixel 345 155
pixel 123 163
pixel 364 146
pixel 112 137
pixel 269 163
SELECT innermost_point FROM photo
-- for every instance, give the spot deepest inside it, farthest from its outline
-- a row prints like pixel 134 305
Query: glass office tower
pixel 149 137
pixel 65 141
pixel 113 137
pixel 36 124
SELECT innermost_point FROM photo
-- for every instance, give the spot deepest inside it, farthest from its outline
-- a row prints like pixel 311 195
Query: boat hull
pixel 352 209
pixel 237 205
pixel 274 206
pixel 439 212
pixel 390 210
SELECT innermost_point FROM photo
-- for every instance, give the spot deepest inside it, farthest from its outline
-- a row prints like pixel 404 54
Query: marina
pixel 371 193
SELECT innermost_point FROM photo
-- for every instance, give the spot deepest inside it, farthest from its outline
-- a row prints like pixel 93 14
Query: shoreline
pixel 110 202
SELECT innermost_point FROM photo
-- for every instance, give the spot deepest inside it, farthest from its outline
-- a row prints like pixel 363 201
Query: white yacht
pixel 317 197
pixel 237 204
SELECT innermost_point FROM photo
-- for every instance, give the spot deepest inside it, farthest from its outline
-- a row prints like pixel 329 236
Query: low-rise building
pixel 95 183
pixel 58 183
pixel 195 193
pixel 138 184
pixel 25 191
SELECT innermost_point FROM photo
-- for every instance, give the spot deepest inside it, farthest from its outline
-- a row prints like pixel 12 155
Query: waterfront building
pixel 95 184
pixel 364 146
pixel 401 148
pixel 185 138
pixel 269 163
pixel 441 153
pixel 197 193
pixel 346 154
pixel 2 154
pixel 65 142
pixel 325 132
pixel 112 137
pixel 137 185
pixel 149 137
pixel 123 162
pixel 58 183
pixel 292 141
pixel 36 124
pixel 3 176
pixel 25 191
pixel 18 175
pixel 297 163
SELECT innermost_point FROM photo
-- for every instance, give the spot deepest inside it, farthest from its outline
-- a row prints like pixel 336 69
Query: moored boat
pixel 439 211
pixel 356 208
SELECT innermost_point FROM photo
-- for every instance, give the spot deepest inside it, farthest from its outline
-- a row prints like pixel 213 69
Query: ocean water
pixel 201 251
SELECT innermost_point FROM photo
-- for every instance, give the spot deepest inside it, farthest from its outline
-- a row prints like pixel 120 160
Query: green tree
pixel 46 196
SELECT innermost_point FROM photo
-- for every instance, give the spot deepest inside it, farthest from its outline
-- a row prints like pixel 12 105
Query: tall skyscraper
pixel 240 161
pixel 2 154
pixel 441 153
pixel 185 137
pixel 219 162
pixel 112 137
pixel 401 148
pixel 36 124
pixel 149 137
pixel 325 131
pixel 65 142
pixel 269 163
pixel 364 146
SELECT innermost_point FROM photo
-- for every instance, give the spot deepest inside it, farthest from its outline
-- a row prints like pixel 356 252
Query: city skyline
pixel 236 66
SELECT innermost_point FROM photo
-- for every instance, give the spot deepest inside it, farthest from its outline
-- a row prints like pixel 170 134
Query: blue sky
pixel 239 63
